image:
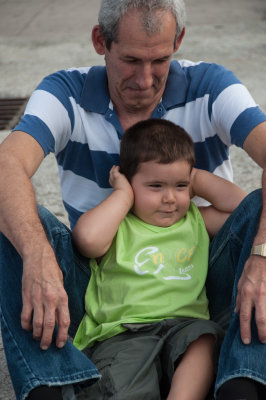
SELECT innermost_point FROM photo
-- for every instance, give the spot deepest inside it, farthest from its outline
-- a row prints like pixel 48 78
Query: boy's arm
pixel 223 195
pixel 95 229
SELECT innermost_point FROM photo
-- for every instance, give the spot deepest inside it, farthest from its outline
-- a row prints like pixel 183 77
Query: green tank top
pixel 149 274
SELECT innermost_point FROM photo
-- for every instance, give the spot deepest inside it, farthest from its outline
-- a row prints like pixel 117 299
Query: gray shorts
pixel 140 363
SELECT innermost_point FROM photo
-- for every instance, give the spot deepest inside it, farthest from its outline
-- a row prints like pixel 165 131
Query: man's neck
pixel 130 116
pixel 129 119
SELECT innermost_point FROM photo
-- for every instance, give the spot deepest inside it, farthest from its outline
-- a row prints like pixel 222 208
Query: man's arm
pixel 252 284
pixel 95 229
pixel 44 298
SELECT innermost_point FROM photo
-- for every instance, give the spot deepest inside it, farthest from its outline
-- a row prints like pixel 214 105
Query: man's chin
pixel 139 103
pixel 140 96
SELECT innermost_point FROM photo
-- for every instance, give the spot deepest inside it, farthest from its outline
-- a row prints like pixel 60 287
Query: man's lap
pixel 228 252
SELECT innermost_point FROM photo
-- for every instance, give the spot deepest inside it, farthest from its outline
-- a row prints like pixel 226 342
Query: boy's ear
pixel 98 40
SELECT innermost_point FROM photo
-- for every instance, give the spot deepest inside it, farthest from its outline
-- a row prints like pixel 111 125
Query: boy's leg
pixel 194 375
pixel 129 365
pixel 228 252
pixel 179 351
pixel 29 366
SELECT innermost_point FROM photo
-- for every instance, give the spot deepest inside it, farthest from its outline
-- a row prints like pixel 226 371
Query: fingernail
pixel 60 345
pixel 246 341
pixel 44 347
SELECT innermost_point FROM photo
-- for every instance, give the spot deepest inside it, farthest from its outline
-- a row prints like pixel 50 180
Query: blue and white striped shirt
pixel 71 114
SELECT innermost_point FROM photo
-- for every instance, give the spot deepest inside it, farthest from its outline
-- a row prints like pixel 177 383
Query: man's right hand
pixel 45 302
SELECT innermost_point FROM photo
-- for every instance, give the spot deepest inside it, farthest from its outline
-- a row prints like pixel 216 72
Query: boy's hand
pixel 192 180
pixel 118 181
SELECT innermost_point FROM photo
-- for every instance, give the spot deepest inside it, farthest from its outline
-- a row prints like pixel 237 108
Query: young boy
pixel 147 322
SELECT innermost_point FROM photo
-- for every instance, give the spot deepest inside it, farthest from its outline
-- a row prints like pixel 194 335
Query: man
pixel 81 115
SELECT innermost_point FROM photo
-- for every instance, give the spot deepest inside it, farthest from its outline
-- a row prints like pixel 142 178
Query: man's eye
pixel 161 60
pixel 131 61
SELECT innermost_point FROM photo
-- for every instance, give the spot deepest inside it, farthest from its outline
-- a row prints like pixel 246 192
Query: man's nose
pixel 144 76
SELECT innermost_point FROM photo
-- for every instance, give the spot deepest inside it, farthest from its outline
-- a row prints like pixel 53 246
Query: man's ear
pixel 98 40
pixel 179 40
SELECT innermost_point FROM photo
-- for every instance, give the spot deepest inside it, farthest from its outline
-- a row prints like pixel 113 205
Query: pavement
pixel 38 37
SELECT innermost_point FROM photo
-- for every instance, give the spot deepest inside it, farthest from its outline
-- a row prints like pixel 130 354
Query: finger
pixel 113 169
pixel 116 170
pixel 238 297
pixel 26 316
pixel 63 325
pixel 260 317
pixel 37 322
pixel 48 328
pixel 245 320
pixel 111 175
pixel 237 305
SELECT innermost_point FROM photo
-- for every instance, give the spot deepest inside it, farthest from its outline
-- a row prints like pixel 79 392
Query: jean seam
pixel 231 237
pixel 57 232
pixel 220 249
pixel 81 265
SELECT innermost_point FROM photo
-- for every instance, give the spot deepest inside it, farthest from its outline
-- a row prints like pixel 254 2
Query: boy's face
pixel 161 192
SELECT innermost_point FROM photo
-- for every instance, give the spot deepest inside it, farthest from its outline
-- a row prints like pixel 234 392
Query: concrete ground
pixel 38 37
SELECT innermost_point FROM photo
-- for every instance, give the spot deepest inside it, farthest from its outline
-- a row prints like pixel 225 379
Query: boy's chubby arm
pixel 95 229
pixel 223 195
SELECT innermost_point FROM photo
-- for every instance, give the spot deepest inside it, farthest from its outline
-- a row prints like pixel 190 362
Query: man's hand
pixel 45 302
pixel 44 299
pixel 252 294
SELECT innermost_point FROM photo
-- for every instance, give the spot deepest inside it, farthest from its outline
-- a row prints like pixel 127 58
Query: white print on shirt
pixel 154 257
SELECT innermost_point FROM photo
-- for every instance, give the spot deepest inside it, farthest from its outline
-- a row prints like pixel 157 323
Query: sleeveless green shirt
pixel 149 274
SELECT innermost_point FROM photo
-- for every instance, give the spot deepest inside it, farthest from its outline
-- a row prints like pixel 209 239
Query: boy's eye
pixel 155 185
pixel 182 185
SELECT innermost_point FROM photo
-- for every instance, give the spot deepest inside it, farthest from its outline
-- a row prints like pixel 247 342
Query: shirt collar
pixel 95 95
pixel 176 86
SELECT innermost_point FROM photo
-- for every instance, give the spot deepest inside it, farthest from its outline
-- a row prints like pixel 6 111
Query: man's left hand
pixel 252 294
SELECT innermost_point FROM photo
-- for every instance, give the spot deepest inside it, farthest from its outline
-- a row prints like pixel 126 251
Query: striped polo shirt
pixel 71 114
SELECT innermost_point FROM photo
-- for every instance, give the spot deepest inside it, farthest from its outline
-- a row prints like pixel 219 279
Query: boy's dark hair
pixel 154 140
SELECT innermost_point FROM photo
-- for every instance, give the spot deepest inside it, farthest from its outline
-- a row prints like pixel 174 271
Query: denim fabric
pixel 228 252
pixel 28 365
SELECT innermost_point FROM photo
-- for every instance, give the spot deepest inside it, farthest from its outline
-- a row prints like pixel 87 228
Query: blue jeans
pixel 30 367
pixel 229 251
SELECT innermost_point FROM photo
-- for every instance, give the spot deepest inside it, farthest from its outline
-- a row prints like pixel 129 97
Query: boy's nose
pixel 169 196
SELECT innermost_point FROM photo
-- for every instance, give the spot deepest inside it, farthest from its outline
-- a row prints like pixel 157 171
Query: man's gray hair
pixel 111 11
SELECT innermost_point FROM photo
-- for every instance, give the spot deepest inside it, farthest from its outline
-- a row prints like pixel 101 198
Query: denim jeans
pixel 229 251
pixel 30 367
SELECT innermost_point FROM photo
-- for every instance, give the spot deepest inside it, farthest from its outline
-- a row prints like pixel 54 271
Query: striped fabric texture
pixel 71 114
